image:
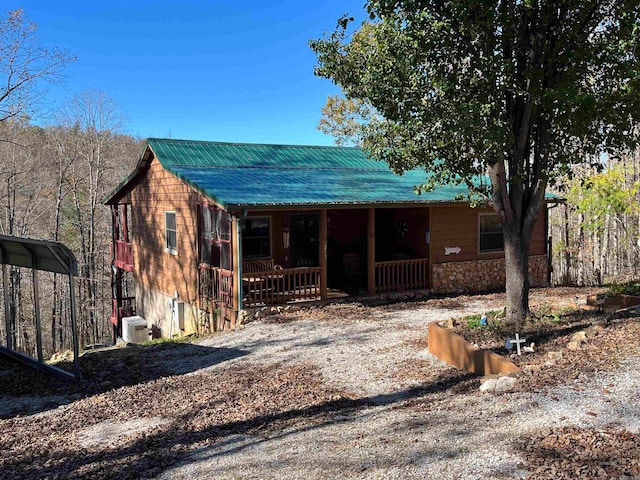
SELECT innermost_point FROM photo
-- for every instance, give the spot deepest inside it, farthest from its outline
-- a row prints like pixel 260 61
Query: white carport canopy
pixel 46 256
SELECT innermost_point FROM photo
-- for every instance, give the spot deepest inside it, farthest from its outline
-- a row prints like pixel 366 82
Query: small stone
pixel 557 355
pixel 489 385
pixel 506 384
pixel 579 336
pixel 532 368
pixel 574 345
pixel 594 330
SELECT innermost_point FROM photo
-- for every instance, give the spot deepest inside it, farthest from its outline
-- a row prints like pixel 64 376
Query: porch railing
pixel 402 275
pixel 276 287
pixel 127 309
pixel 122 255
pixel 216 285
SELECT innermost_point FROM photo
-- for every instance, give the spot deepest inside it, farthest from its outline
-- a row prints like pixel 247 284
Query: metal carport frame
pixel 39 255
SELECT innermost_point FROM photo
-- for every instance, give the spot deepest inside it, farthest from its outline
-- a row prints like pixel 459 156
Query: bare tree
pixel 92 121
pixel 24 65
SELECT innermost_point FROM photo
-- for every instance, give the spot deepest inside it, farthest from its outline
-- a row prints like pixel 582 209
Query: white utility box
pixel 134 329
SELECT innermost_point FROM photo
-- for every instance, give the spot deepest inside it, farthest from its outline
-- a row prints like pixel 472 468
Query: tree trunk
pixel 581 249
pixel 516 255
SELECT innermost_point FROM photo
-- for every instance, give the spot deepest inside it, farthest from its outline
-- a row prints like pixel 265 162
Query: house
pixel 203 230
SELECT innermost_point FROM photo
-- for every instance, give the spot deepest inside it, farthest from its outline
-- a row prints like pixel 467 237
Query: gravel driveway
pixel 406 433
pixel 346 391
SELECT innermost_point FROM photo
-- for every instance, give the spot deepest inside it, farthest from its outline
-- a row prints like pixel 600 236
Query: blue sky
pixel 226 71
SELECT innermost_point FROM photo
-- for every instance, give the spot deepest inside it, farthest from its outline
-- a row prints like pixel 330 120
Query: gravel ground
pixel 344 391
pixel 408 433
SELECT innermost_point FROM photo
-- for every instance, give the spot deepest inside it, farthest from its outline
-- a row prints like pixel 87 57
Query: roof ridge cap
pixel 250 144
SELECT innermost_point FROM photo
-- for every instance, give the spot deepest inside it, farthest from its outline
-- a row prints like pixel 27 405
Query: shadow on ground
pixel 102 371
pixel 192 433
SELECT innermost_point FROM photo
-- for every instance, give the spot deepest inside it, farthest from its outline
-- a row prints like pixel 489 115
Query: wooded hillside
pixel 54 179
pixel 596 234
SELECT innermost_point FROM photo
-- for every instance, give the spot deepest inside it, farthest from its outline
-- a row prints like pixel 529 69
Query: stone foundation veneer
pixel 482 275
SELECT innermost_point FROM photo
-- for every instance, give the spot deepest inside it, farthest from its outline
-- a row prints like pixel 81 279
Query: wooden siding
pixel 156 192
pixel 457 226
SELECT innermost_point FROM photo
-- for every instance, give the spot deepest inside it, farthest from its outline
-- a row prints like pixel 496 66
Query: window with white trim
pixel 256 237
pixel 490 236
pixel 170 232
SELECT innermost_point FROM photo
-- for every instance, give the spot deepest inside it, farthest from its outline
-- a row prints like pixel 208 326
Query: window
pixel 256 237
pixel 170 233
pixel 215 237
pixel 491 238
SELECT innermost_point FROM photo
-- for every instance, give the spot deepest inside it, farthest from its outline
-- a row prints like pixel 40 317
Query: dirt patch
pixel 25 390
pixel 110 433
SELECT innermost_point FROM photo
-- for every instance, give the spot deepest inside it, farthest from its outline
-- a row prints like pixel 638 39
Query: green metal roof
pixel 253 175
pixel 185 153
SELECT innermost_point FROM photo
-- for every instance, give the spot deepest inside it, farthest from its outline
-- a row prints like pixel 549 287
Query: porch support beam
pixel 371 251
pixel 323 254
pixel 236 255
pixel 36 310
pixel 7 305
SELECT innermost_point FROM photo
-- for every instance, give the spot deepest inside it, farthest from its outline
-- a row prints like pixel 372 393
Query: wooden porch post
pixel 7 300
pixel 125 222
pixel 323 254
pixel 236 263
pixel 371 251
pixel 429 252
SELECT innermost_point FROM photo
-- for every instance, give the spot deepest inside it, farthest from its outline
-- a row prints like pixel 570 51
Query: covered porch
pixel 292 285
pixel 282 257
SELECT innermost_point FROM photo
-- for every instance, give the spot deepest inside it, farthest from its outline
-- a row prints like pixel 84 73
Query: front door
pixel 304 240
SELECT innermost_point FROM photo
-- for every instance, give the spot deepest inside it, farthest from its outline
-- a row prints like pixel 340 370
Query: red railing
pixel 402 275
pixel 122 255
pixel 276 287
pixel 128 309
